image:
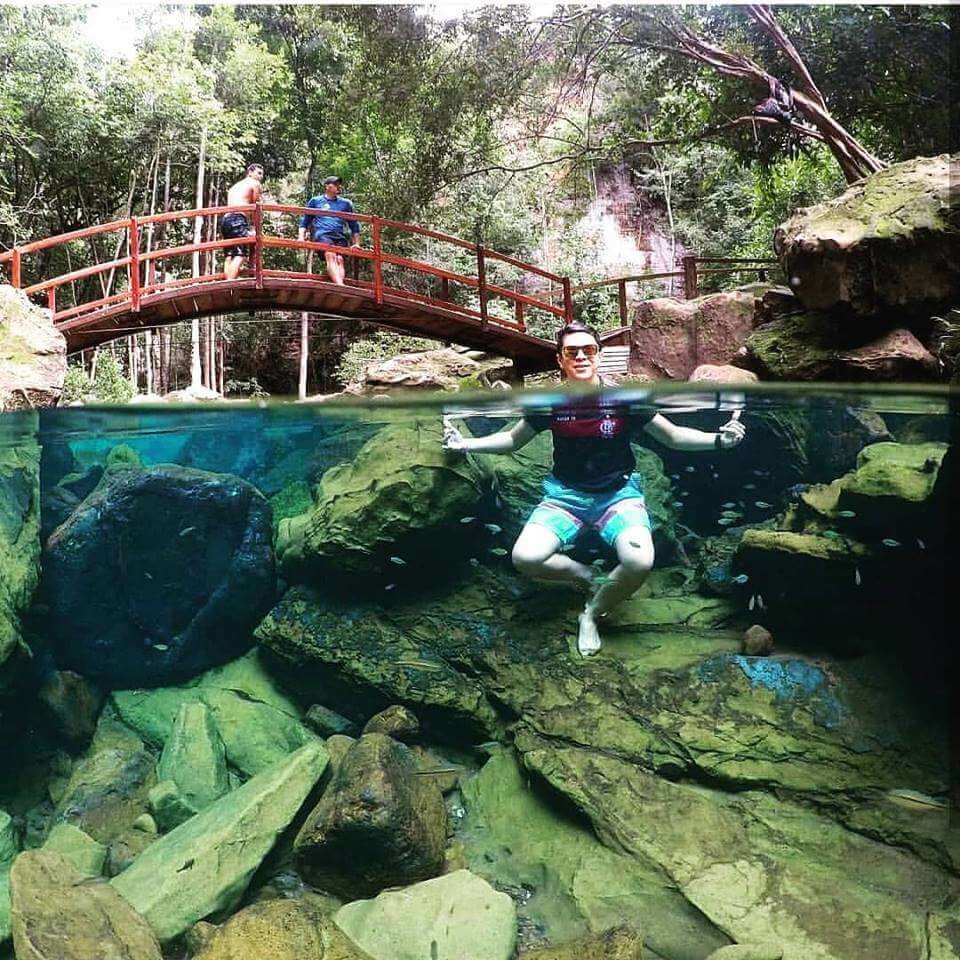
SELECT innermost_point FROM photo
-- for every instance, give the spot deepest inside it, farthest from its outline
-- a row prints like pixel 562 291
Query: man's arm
pixel 504 441
pixel 353 226
pixel 686 438
pixel 305 221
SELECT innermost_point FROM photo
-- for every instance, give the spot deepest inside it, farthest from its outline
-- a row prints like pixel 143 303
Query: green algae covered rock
pixel 572 883
pixel 33 353
pixel 619 944
pixel 9 847
pixel 888 243
pixel 193 757
pixel 379 824
pixel 19 530
pixel 60 914
pixel 457 915
pixel 363 659
pixel 401 491
pixel 256 721
pixel 280 930
pixel 204 865
pixel 760 869
pixel 812 346
pixel 746 951
pixel 79 848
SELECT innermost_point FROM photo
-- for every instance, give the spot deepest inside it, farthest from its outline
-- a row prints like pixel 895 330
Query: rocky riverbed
pixel 301 706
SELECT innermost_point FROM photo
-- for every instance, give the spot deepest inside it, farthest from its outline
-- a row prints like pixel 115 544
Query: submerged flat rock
pixel 205 864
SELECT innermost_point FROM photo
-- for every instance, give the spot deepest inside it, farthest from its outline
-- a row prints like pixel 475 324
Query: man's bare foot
pixel 588 636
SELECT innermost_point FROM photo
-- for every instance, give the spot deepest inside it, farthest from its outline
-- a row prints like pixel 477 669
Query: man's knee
pixel 635 552
pixel 527 560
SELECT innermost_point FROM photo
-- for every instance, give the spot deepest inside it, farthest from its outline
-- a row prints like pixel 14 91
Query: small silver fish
pixel 726 521
pixel 914 799
pixel 678 503
pixel 474 562
pixel 421 665
pixel 728 506
pixel 685 493
pixel 147 575
pixel 760 603
pixel 499 552
pixel 753 601
pixel 890 542
pixel 399 561
pixel 185 531
pixel 749 486
pixel 846 514
pixel 161 647
pixel 832 534
pixel 467 519
pixel 389 586
pixel 674 476
pixel 493 528
pixel 690 469
pixel 762 504
pixel 741 579
pixel 921 544
pixel 856 576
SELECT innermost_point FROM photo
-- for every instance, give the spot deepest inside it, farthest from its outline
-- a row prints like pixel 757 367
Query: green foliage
pixel 246 388
pixel 382 345
pixel 76 385
pixel 109 383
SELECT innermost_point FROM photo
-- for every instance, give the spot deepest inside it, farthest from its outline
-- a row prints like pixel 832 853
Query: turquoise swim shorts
pixel 565 511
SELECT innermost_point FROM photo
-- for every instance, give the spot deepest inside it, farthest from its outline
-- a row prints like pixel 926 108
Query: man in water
pixel 235 225
pixel 592 483
pixel 331 229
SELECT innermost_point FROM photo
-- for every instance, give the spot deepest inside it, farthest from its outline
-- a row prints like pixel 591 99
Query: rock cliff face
pixel 33 353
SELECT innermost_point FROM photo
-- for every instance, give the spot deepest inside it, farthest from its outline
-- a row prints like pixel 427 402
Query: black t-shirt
pixel 591 442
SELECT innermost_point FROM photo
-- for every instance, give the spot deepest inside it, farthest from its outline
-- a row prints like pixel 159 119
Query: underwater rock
pixel 621 943
pixel 280 930
pixel 328 723
pixel 107 791
pixel 747 951
pixel 79 848
pixel 761 870
pixel 257 722
pixel 356 658
pixel 60 914
pixel 462 914
pixel 401 492
pixel 19 533
pixel 168 806
pixel 669 338
pixel 193 757
pixel 377 825
pixel 813 346
pixel 567 882
pixel 204 865
pixel 125 848
pixel 73 703
pixel 887 244
pixel 337 747
pixel 396 721
pixel 33 353
pixel 188 559
pixel 757 641
pixel 9 848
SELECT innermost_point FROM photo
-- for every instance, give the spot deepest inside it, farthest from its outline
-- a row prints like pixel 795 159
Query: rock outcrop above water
pixel 59 914
pixel 33 353
pixel 182 564
pixel 887 245
pixel 444 369
pixel 205 864
pixel 460 913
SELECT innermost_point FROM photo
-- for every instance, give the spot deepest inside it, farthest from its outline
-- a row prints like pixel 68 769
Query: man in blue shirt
pixel 324 229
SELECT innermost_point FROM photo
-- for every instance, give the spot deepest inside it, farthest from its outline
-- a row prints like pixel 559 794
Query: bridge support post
pixel 690 282
pixel 622 298
pixel 375 227
pixel 134 268
pixel 567 301
pixel 482 283
pixel 15 268
pixel 258 245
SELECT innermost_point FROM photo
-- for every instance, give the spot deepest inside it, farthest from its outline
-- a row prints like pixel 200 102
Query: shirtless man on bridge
pixel 235 225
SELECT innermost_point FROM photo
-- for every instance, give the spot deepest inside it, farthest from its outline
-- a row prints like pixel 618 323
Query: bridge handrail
pixel 136 259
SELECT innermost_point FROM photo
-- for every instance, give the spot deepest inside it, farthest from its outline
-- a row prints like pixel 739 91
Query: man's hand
pixel 731 433
pixel 453 439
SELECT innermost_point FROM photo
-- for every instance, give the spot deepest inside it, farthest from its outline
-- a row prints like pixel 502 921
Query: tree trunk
pixel 195 370
pixel 304 342
pixel 148 359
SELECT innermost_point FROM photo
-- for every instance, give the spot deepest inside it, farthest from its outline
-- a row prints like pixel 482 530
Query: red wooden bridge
pixel 425 299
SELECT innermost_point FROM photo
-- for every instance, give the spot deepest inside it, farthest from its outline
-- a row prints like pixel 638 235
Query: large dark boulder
pixel 378 825
pixel 158 575
pixel 888 244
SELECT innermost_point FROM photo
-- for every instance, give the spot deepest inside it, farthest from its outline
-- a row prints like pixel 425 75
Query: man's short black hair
pixel 254 166
pixel 575 327
pixel 332 179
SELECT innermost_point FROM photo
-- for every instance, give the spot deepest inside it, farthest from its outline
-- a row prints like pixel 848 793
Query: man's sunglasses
pixel 588 350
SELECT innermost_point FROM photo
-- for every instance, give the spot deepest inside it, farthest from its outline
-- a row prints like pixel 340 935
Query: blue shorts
pixel 565 511
pixel 336 239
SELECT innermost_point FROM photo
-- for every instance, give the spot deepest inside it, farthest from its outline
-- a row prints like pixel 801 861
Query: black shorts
pixel 234 226
pixel 336 239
